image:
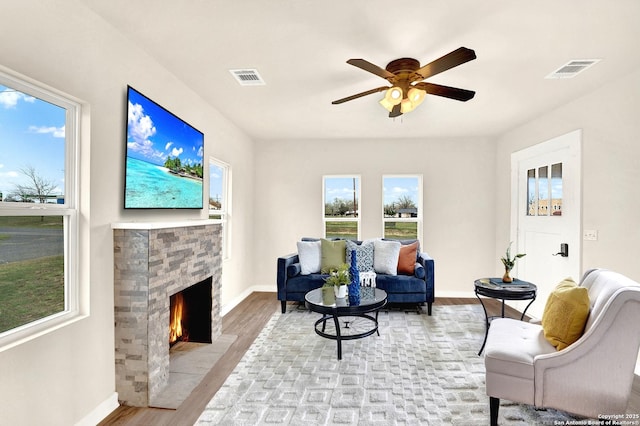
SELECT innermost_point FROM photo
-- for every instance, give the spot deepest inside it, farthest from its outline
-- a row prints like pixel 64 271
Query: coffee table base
pixel 339 336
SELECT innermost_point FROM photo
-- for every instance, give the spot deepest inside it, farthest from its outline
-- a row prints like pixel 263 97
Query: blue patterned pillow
pixel 364 255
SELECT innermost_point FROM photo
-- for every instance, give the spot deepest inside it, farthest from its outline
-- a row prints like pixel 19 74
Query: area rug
pixel 421 370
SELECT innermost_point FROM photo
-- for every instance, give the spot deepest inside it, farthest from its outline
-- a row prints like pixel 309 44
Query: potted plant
pixel 339 279
pixel 509 262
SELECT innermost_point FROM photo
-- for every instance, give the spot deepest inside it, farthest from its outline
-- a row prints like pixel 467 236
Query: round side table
pixel 496 289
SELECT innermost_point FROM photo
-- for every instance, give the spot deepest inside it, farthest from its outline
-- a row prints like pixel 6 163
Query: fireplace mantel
pixel 162 225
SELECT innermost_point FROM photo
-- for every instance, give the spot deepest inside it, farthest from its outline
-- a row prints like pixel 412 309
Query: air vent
pixel 247 77
pixel 573 68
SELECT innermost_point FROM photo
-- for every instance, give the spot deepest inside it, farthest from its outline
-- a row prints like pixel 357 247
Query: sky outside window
pixel 342 189
pixel 32 134
pixel 396 188
pixel 216 180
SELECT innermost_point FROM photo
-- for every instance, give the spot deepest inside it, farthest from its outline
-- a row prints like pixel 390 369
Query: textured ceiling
pixel 300 48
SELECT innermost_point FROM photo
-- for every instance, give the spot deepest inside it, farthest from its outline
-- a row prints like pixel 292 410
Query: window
pixel 38 210
pixel 402 207
pixel 341 201
pixel 219 199
pixel 544 191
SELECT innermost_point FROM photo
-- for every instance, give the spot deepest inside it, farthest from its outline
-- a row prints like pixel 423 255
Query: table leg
pixel 486 324
pixel 338 336
pixel 525 309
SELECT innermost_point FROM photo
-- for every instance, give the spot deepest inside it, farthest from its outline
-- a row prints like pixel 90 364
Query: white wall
pixel 611 176
pixel 67 375
pixel 459 200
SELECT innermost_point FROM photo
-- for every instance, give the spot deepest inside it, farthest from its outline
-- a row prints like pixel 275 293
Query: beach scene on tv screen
pixel 164 158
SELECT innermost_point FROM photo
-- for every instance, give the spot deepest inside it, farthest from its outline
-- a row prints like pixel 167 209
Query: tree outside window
pixel 402 206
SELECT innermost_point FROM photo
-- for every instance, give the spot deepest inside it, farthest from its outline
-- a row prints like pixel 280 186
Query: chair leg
pixel 283 303
pixel 494 406
pixel 429 308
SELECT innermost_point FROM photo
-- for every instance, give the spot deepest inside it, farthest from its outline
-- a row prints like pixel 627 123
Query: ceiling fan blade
pixel 446 91
pixel 372 68
pixel 396 111
pixel 448 61
pixel 359 95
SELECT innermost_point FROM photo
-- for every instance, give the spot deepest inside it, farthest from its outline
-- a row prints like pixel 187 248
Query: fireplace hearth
pixel 153 262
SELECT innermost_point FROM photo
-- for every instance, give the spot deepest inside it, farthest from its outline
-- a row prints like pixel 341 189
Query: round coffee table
pixel 497 289
pixel 356 324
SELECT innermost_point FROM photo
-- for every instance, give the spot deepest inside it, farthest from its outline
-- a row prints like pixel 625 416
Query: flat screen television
pixel 164 159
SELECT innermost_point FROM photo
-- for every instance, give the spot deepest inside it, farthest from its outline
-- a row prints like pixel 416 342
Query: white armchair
pixel 590 377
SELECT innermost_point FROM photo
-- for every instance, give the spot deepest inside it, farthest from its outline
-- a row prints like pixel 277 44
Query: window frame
pixel 74 308
pixel 357 218
pixel 225 211
pixel 419 202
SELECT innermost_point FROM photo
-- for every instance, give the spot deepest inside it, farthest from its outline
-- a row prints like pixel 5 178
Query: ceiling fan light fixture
pixel 416 96
pixel 395 95
pixel 392 97
pixel 407 106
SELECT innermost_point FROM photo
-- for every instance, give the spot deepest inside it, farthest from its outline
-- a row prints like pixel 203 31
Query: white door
pixel 546 213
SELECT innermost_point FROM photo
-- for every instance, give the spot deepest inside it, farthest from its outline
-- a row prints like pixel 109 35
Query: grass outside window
pixel 341 229
pixel 32 274
pixel 401 230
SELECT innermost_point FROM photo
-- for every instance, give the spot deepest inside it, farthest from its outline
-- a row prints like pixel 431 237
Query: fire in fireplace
pixel 190 314
pixel 175 322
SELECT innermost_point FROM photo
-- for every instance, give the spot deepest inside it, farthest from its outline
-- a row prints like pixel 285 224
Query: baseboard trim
pixel 456 294
pixel 228 307
pixel 101 412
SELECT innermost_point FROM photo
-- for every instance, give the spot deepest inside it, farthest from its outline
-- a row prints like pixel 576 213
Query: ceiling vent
pixel 573 68
pixel 247 77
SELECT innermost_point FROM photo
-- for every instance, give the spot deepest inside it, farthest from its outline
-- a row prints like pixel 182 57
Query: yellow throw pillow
pixel 565 314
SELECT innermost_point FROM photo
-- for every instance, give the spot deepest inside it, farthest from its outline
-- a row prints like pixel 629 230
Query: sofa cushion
pixel 385 256
pixel 512 346
pixel 400 283
pixel 407 258
pixel 565 314
pixel 333 254
pixel 305 283
pixel 418 271
pixel 310 257
pixel 364 255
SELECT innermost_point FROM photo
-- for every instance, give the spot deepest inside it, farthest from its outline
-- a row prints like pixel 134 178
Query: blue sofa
pixel 410 289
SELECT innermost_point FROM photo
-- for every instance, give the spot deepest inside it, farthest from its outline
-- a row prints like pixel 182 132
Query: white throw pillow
pixel 310 257
pixel 385 256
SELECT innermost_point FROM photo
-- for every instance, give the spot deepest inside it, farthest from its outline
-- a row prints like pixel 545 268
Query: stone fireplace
pixel 152 262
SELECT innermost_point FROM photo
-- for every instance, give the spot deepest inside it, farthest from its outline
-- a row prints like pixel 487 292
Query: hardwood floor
pixel 246 321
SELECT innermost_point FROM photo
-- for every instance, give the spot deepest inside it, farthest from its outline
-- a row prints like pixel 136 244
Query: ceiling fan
pixel 405 75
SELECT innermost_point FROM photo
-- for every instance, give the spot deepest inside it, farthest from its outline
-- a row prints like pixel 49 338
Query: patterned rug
pixel 421 370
